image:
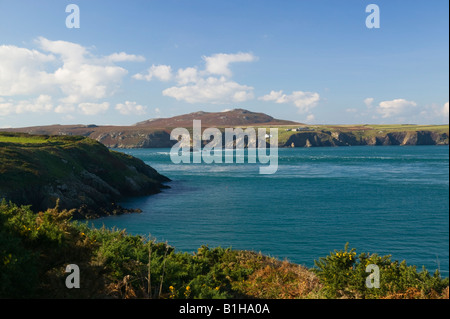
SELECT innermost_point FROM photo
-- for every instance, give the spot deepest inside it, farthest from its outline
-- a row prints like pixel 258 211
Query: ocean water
pixel 386 200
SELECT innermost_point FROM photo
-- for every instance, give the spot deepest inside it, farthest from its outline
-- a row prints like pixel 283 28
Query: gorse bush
pixel 33 246
pixel 343 275
pixel 36 248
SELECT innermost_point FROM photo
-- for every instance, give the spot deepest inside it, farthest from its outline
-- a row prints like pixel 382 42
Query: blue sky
pixel 304 60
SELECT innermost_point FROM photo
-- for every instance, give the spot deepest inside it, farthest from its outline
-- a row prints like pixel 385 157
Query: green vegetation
pixel 81 172
pixel 343 275
pixel 23 139
pixel 36 248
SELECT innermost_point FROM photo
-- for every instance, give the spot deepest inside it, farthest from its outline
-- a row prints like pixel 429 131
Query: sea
pixel 389 200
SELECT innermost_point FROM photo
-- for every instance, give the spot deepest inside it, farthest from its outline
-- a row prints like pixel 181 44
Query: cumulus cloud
pixel 368 102
pixel 188 75
pixel 160 72
pixel 6 107
pixel 65 108
pixel 310 118
pixel 128 108
pixel 439 112
pixel 219 63
pixel 124 57
pixel 212 85
pixel 43 103
pixel 93 108
pixel 395 107
pixel 22 71
pixel 60 70
pixel 211 90
pixel 304 101
pixel 444 110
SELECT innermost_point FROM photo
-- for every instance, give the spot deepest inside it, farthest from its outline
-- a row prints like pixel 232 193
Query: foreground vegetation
pixel 36 248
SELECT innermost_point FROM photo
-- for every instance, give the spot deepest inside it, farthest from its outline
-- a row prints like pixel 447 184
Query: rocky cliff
pixel 337 138
pixel 79 172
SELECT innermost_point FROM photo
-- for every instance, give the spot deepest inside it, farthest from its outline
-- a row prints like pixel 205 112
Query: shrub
pixel 343 275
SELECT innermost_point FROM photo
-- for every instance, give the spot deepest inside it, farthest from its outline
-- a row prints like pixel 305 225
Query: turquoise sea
pixel 386 200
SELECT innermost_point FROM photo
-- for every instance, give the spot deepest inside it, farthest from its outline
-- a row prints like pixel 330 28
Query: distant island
pixel 155 133
pixel 73 172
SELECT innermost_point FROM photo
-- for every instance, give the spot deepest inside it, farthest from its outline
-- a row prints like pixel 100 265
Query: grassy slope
pixel 28 164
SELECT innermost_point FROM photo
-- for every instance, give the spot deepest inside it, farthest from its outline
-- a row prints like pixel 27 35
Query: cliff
pixel 338 138
pixel 82 173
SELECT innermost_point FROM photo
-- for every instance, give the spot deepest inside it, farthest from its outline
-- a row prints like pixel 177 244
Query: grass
pixel 22 140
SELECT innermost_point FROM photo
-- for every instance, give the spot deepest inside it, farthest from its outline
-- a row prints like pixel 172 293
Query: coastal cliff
pixel 77 172
pixel 337 138
pixel 155 133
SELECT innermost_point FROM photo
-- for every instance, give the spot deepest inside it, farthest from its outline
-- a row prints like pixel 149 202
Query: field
pixel 5 138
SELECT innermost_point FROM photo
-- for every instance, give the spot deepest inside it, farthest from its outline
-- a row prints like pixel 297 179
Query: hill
pixel 155 133
pixel 82 173
pixel 233 118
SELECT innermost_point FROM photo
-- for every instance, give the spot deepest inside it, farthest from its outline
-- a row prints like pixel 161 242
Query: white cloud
pixel 188 75
pixel 70 52
pixel 310 118
pixel 395 107
pixel 60 70
pixel 6 108
pixel 93 108
pixel 130 108
pixel 368 102
pixel 65 108
pixel 219 63
pixel 304 101
pixel 43 103
pixel 161 72
pixel 211 85
pixel 22 71
pixel 211 90
pixel 444 110
pixel 124 57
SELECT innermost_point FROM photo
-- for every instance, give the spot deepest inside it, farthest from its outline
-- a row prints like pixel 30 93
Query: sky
pixel 311 61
